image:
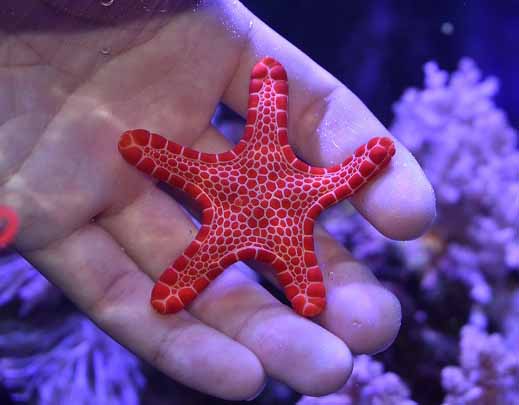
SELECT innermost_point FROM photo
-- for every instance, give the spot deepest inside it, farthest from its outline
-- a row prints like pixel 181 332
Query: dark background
pixel 377 48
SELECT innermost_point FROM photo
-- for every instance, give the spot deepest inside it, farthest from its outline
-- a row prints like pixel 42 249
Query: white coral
pixel 488 373
pixel 19 281
pixel 368 385
pixel 68 361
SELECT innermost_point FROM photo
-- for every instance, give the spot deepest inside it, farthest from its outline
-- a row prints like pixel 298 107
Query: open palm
pixel 75 75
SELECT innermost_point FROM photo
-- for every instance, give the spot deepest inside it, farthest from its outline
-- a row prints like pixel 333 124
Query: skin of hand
pixel 75 75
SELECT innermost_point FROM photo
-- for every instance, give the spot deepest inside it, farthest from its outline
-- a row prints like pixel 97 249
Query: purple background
pixel 378 49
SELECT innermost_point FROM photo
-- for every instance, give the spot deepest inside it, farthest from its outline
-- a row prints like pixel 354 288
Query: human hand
pixel 72 85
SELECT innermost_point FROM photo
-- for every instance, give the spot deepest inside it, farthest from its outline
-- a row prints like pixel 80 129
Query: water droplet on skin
pixel 331 276
pixel 107 3
pixel 356 324
pixel 106 51
pixel 251 23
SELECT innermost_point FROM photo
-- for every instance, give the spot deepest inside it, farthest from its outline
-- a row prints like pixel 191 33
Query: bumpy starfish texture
pixel 258 200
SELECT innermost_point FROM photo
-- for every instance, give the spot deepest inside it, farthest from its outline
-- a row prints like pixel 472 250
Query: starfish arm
pixel 302 282
pixel 300 277
pixel 267 106
pixel 170 162
pixel 159 157
pixel 342 181
pixel 267 113
pixel 295 264
pixel 200 263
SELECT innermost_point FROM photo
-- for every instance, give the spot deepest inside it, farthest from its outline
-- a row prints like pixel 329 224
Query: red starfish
pixel 258 200
pixel 8 226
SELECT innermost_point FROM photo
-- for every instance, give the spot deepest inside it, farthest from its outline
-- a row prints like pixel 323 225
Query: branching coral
pixel 66 361
pixel 57 356
pixel 21 284
pixel 469 152
pixel 368 385
pixel 488 371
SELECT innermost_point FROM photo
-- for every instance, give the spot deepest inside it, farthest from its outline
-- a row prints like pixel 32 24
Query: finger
pixel 233 304
pixel 327 122
pixel 359 310
pixel 96 274
pixel 375 321
pixel 292 349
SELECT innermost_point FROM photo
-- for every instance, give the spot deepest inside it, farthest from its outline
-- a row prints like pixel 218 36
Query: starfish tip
pixel 125 140
pixel 308 307
pixel 130 144
pixel 311 310
pixel 159 306
pixel 9 224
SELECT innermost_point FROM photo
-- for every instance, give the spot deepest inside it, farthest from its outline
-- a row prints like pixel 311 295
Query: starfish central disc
pixel 259 201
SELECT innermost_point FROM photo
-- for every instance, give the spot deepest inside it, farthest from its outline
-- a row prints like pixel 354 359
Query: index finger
pixel 327 122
